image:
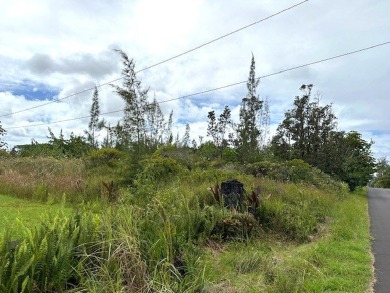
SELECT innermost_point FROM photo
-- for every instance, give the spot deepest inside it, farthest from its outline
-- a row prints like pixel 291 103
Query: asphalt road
pixel 379 210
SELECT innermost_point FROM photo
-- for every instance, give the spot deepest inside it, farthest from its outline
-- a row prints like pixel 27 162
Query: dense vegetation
pixel 382 178
pixel 147 215
pixel 158 234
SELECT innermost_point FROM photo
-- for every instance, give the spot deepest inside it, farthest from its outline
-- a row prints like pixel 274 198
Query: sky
pixel 52 49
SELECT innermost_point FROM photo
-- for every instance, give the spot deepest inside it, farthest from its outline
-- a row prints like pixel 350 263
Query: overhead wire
pixel 219 88
pixel 161 62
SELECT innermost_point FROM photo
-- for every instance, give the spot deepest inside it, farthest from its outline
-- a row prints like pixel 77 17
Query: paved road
pixel 379 210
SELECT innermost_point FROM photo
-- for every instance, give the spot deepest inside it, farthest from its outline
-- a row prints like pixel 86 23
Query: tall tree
pixel 94 122
pixel 356 161
pixel 186 137
pixel 156 124
pixel 264 119
pixel 136 104
pixel 212 127
pixel 248 131
pixel 169 133
pixel 309 132
pixel 305 129
pixel 218 128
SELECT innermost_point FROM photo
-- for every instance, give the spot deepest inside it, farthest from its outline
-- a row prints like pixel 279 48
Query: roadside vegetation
pixel 142 211
pixel 169 232
pixel 382 178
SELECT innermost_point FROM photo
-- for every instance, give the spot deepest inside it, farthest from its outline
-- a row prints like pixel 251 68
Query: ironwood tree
pixel 133 127
pixel 249 127
pixel 94 123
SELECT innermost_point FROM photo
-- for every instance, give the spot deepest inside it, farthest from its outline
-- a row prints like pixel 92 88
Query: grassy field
pixel 15 212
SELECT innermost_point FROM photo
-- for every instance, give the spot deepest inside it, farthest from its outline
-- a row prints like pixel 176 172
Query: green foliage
pixel 382 178
pixel 296 171
pixel 249 130
pixel 305 129
pixel 295 211
pixel 359 164
pixel 46 258
pixel 57 147
pixel 183 156
pixel 160 169
pixel 308 132
pixel 4 154
pixel 154 241
pixel 103 157
pixel 233 226
pixel 218 129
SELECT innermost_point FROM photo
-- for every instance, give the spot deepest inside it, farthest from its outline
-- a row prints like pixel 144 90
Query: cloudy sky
pixel 52 49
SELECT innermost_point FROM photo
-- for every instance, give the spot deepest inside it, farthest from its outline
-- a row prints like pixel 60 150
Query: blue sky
pixel 52 49
pixel 30 90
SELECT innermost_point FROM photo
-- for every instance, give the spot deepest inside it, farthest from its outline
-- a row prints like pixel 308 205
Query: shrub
pixel 103 157
pixel 159 169
pixel 296 171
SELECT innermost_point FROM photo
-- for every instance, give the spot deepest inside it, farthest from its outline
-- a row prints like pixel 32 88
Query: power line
pixel 161 62
pixel 221 87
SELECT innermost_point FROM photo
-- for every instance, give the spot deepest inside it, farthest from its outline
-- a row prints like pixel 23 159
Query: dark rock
pixel 232 193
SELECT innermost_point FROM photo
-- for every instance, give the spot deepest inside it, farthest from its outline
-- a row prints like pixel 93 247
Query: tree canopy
pixel 309 132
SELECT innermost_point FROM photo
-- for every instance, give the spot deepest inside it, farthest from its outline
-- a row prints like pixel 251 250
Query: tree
pixel 305 129
pixel 308 132
pixel 186 137
pixel 168 131
pixel 94 123
pixel 248 131
pixel 155 125
pixel 212 128
pixel 136 105
pixel 218 129
pixel 382 177
pixel 359 163
pixel 264 119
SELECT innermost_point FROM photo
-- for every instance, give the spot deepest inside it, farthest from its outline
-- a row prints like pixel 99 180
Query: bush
pixel 183 156
pixel 159 169
pixel 296 171
pixel 103 157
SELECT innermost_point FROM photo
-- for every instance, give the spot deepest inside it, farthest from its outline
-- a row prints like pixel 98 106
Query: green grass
pixel 15 211
pixel 339 261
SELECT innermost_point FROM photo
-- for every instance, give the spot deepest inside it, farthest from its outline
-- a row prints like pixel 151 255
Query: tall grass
pixel 44 179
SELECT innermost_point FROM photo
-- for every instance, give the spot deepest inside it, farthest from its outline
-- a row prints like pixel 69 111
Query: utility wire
pixel 221 87
pixel 161 62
